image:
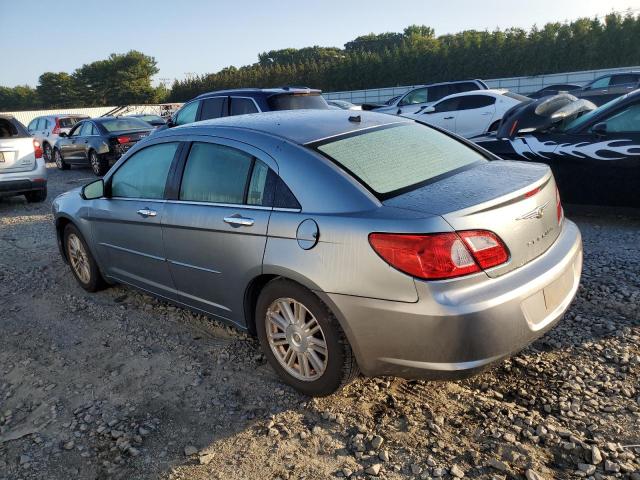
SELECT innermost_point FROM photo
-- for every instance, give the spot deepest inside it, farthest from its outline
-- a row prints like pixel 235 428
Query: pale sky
pixel 203 36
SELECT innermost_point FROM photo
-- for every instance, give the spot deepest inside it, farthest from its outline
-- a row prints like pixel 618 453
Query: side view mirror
pixel 429 109
pixel 600 128
pixel 63 134
pixel 171 122
pixel 93 190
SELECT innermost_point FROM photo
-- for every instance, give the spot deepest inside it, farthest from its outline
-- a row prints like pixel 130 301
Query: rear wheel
pixel 36 196
pixel 99 165
pixel 47 152
pixel 83 265
pixel 302 339
pixel 60 163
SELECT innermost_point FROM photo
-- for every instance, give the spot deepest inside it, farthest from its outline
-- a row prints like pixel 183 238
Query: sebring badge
pixel 537 212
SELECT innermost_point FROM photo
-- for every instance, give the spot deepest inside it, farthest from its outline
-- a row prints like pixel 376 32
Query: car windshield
pixel 391 160
pixel 290 101
pixel 124 124
pixel 580 121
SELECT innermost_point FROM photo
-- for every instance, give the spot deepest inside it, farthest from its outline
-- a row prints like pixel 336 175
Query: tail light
pixel 123 139
pixel 439 256
pixel 37 148
pixel 56 129
pixel 559 209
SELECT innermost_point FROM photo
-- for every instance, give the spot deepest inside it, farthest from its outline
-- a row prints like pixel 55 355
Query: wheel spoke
pixel 305 365
pixel 278 321
pixel 290 357
pixel 311 327
pixel 285 308
pixel 316 363
pixel 318 345
pixel 299 313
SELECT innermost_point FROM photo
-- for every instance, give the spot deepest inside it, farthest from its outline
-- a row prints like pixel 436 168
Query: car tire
pixel 82 263
pixel 47 152
pixel 302 335
pixel 36 196
pixel 60 163
pixel 99 164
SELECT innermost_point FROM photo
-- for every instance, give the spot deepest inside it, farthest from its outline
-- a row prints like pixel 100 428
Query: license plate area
pixel 538 307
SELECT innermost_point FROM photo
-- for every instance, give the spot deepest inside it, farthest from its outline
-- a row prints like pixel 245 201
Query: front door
pixel 71 147
pixel 215 230
pixel 444 115
pixel 127 224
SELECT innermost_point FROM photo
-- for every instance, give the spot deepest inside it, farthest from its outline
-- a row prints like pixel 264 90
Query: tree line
pixel 413 56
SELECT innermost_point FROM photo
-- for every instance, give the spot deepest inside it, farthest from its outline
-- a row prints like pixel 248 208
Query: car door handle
pixel 448 118
pixel 145 212
pixel 239 221
pixel 487 113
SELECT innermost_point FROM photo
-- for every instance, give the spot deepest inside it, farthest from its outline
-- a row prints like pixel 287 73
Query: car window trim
pixel 231 97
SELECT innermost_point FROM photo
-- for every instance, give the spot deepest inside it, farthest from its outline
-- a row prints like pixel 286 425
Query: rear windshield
pixel 395 159
pixel 11 128
pixel 516 96
pixel 150 118
pixel 290 101
pixel 124 124
pixel 68 122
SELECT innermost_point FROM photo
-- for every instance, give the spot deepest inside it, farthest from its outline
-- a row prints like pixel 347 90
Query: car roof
pixel 301 126
pixel 261 91
pixel 446 83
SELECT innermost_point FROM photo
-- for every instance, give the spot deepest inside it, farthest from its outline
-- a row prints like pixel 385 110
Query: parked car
pixel 22 167
pixel 343 105
pixel 470 113
pixel 153 120
pixel 554 90
pixel 98 142
pixel 343 242
pixel 426 95
pixel 607 87
pixel 594 153
pixel 47 129
pixel 224 103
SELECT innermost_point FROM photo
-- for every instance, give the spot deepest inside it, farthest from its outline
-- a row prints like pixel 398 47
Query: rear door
pixel 127 225
pixel 474 115
pixel 215 227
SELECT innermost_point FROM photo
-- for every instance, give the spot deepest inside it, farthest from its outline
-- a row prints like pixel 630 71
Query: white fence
pixel 522 85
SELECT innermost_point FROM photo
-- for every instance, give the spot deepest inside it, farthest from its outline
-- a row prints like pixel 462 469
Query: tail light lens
pixel 56 129
pixel 123 139
pixel 559 209
pixel 37 149
pixel 439 256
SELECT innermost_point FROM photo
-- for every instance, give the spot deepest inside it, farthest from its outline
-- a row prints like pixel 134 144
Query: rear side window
pixel 470 102
pixel 627 78
pixel 215 173
pixel 214 108
pixel 290 101
pixel 394 159
pixel 144 174
pixel 242 106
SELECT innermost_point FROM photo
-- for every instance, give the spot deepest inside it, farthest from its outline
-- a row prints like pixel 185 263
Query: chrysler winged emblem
pixel 537 212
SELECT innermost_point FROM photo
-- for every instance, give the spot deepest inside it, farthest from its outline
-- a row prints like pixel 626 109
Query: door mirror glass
pixel 600 128
pixel 93 190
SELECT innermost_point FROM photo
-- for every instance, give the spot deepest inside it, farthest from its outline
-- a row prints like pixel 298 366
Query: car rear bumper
pixel 459 327
pixel 17 183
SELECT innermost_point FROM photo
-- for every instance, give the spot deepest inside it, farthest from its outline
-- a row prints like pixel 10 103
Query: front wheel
pixel 60 163
pixel 302 339
pixel 83 265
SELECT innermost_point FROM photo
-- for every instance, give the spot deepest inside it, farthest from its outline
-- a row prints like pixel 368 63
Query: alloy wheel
pixel 58 159
pixel 78 258
pixel 95 163
pixel 296 339
pixel 47 152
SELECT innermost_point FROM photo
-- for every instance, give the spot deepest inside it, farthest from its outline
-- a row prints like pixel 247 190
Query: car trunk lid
pixel 16 155
pixel 124 140
pixel 515 200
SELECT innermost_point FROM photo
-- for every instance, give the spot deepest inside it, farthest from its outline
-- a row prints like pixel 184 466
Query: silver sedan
pixel 346 242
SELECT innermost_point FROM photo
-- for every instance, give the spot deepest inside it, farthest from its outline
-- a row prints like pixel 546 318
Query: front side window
pixel 600 83
pixel 214 108
pixel 144 174
pixel 393 159
pixel 625 121
pixel 624 79
pixel 215 173
pixel 416 96
pixel 87 129
pixel 449 105
pixel 242 106
pixel 76 131
pixel 187 114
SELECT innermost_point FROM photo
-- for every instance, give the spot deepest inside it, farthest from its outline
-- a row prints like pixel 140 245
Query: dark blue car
pixel 224 103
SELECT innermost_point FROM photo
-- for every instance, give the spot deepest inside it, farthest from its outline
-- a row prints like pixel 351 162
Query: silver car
pixel 345 242
pixel 47 129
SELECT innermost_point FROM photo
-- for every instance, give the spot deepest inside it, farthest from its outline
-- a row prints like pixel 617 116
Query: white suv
pixel 22 167
pixel 47 129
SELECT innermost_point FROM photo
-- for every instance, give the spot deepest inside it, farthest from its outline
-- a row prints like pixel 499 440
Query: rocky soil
pixel 120 385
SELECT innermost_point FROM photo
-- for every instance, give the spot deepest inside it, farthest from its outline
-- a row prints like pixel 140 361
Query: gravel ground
pixel 120 385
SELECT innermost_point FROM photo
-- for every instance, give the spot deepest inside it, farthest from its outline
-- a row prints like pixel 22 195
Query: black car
pixel 554 89
pixel 153 120
pixel 98 142
pixel 225 103
pixel 594 155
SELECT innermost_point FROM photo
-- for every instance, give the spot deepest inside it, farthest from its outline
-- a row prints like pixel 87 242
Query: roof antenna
pixel 355 118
